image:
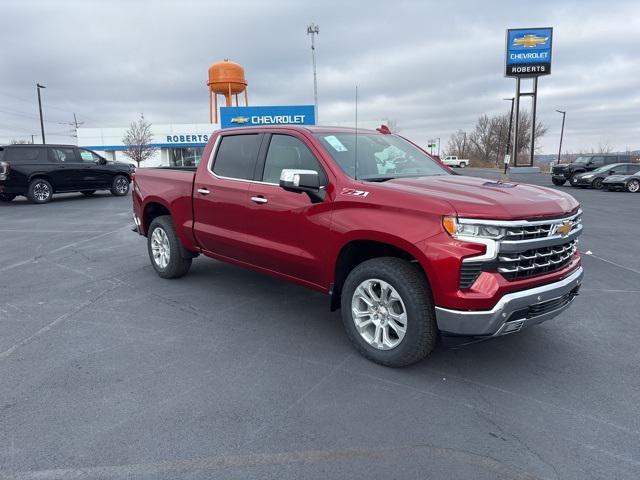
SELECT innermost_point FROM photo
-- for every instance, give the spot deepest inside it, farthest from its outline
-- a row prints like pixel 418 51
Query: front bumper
pixel 615 185
pixel 514 310
pixel 581 182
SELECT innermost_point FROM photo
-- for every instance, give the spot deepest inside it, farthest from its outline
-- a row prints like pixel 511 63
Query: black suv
pixel 563 172
pixel 39 171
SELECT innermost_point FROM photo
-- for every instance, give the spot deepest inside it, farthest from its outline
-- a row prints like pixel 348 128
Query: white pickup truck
pixel 453 161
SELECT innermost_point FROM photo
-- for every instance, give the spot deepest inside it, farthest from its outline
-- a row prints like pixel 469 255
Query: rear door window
pixel 23 155
pixel 237 155
pixel 62 155
pixel 597 161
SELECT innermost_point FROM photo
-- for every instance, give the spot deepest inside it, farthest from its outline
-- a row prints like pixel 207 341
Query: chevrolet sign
pixel 267 115
pixel 528 52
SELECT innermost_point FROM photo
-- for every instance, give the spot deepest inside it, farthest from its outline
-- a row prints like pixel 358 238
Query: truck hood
pixel 481 198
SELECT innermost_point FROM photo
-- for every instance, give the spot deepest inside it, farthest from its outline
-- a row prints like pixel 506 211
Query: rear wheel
pixel 7 197
pixel 462 165
pixel 558 182
pixel 167 255
pixel 597 184
pixel 88 193
pixel 120 186
pixel 40 191
pixel 633 185
pixel 388 312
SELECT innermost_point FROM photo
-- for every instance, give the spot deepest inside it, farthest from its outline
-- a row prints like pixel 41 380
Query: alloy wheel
pixel 122 185
pixel 160 247
pixel 379 314
pixel 41 191
pixel 634 186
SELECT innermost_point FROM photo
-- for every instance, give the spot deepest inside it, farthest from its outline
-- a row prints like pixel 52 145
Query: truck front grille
pixel 536 261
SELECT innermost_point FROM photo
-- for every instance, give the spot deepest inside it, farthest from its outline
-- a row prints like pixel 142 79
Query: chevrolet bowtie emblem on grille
pixel 239 120
pixel 530 41
pixel 563 229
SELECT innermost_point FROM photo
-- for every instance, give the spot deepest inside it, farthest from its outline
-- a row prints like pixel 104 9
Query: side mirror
pixel 302 181
pixel 101 161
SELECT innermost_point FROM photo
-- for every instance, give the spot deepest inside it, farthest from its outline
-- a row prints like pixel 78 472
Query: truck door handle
pixel 203 191
pixel 259 199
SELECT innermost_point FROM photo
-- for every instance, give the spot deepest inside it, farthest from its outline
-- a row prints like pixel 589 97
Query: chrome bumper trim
pixel 497 320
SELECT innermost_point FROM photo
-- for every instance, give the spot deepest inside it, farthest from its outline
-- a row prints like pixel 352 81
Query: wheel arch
pixel 358 250
pixel 41 176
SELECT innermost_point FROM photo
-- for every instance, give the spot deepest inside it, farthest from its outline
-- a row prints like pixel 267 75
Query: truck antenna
pixel 356 135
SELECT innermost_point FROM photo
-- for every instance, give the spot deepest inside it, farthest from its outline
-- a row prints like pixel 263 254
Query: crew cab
pixel 39 171
pixel 406 249
pixel 453 161
pixel 563 172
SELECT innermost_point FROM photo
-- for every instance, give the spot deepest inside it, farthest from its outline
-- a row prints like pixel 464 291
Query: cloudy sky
pixel 433 67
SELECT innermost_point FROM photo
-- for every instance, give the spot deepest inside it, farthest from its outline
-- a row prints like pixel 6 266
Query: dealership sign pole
pixel 528 55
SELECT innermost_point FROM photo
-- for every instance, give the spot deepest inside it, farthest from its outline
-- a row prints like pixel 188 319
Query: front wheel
pixel 167 255
pixel 597 184
pixel 558 182
pixel 633 186
pixel 388 312
pixel 462 165
pixel 40 191
pixel 7 197
pixel 120 186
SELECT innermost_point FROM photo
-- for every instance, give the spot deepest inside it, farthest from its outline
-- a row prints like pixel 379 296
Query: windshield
pixel 380 157
pixel 582 160
pixel 604 168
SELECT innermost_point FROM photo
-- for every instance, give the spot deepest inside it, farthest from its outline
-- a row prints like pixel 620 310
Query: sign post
pixel 528 55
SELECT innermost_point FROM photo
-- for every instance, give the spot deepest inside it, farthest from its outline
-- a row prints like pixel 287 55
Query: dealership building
pixel 176 144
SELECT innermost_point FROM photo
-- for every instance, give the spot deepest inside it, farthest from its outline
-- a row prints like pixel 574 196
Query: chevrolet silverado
pixel 407 250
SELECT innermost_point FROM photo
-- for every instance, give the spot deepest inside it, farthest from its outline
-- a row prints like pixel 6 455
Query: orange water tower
pixel 225 78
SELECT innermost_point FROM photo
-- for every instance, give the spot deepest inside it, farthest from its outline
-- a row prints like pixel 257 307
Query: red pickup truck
pixel 406 248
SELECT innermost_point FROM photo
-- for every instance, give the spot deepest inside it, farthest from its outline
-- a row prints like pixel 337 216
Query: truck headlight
pixel 458 227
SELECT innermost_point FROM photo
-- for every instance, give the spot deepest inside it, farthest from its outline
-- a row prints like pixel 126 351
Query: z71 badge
pixel 353 192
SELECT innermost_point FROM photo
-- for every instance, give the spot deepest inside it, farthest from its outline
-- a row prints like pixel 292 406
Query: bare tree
pixel 457 144
pixel 487 142
pixel 137 139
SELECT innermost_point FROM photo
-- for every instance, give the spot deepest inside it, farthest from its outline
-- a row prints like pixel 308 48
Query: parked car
pixel 595 178
pixel 454 161
pixel 629 182
pixel 39 171
pixel 407 250
pixel 562 172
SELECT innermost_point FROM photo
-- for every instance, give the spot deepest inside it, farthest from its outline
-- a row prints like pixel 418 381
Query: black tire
pixel 409 282
pixel 597 184
pixel 7 197
pixel 179 260
pixel 39 191
pixel 633 186
pixel 120 186
pixel 462 165
pixel 88 193
pixel 558 182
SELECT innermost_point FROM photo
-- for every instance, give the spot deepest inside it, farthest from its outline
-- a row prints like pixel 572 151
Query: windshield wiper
pixel 376 179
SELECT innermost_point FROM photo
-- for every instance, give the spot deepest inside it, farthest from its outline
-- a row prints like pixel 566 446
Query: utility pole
pixel 438 147
pixel 314 30
pixel 564 113
pixel 38 87
pixel 510 127
pixel 76 124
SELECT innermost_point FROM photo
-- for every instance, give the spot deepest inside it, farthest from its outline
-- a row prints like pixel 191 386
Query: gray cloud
pixel 433 67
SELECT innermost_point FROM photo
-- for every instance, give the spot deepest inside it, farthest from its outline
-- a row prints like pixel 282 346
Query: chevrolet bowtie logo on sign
pixel 563 229
pixel 530 41
pixel 239 120
pixel 528 52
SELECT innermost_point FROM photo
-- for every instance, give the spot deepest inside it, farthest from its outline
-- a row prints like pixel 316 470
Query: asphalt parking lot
pixel 108 371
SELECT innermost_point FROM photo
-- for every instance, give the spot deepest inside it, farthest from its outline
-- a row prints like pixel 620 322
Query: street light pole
pixel 438 147
pixel 314 30
pixel 564 113
pixel 38 87
pixel 510 127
